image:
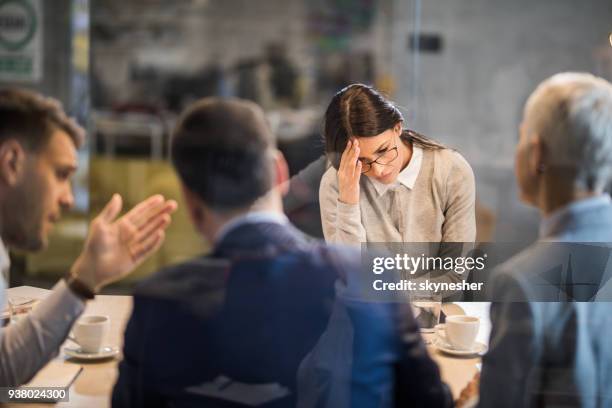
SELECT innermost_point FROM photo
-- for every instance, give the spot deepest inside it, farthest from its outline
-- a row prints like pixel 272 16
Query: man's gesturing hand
pixel 114 247
pixel 349 173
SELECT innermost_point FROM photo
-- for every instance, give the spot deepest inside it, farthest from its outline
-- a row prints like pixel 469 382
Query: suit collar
pixel 258 238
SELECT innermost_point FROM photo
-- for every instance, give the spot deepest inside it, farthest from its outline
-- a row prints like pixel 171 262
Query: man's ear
pixel 12 162
pixel 537 158
pixel 281 172
pixel 194 208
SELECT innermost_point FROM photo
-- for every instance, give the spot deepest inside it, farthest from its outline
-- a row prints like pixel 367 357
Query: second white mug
pixel 90 332
pixel 461 331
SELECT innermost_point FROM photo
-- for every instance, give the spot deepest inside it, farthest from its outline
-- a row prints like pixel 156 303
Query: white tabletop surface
pixel 94 384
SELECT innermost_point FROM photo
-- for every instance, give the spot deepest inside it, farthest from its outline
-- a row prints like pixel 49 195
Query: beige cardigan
pixel 439 207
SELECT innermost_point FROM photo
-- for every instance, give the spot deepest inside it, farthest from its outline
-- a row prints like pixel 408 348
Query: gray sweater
pixel 439 207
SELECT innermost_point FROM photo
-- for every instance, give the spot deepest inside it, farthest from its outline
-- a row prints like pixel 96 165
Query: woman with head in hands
pixel 388 183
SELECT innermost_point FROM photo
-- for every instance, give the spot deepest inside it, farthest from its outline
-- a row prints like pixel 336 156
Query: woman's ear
pixel 12 162
pixel 398 128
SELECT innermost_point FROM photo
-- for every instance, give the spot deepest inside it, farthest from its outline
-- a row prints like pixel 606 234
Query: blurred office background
pixel 459 69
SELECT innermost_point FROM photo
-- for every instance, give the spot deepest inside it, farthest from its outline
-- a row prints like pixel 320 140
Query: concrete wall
pixel 471 94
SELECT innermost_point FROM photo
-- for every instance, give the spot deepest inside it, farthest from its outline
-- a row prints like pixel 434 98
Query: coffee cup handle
pixel 73 339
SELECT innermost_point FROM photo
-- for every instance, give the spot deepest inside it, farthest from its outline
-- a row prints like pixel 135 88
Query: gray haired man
pixel 551 319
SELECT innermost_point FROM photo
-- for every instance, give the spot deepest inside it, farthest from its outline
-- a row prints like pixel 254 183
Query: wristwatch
pixel 79 288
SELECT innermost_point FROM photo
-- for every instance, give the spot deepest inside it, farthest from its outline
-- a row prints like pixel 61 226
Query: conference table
pixel 93 385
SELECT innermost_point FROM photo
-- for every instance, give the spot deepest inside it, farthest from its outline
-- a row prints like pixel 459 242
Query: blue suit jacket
pixel 252 312
pixel 552 320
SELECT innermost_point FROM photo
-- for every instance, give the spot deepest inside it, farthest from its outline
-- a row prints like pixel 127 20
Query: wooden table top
pixel 93 386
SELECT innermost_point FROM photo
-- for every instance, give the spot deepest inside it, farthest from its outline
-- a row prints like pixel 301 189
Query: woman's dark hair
pixel 360 110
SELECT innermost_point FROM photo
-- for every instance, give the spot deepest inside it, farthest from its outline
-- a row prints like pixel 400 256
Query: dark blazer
pixel 202 332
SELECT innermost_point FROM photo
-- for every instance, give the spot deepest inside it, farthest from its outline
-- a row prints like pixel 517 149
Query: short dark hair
pixel 221 151
pixel 31 118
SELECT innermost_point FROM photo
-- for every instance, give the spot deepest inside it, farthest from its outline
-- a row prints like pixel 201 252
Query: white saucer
pixel 105 352
pixel 478 348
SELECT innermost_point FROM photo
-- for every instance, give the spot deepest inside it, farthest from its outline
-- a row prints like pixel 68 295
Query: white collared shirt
pixel 549 223
pixel 5 260
pixel 406 177
pixel 27 345
pixel 250 217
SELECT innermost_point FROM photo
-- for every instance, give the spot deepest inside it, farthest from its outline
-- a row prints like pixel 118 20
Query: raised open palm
pixel 114 247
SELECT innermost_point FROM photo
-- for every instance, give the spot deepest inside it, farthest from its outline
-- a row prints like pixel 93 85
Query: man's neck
pixel 216 222
pixel 557 194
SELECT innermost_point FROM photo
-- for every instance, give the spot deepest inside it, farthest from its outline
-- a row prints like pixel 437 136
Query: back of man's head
pixel 31 118
pixel 572 114
pixel 222 151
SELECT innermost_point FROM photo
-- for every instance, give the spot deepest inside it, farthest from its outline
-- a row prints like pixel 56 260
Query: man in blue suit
pixel 233 328
pixel 551 316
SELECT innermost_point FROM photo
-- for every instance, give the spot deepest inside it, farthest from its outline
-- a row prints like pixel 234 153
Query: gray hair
pixel 572 114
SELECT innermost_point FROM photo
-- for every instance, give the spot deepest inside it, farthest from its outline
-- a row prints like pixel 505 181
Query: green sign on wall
pixel 20 40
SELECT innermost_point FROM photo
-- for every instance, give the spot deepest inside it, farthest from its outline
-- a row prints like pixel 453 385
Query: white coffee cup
pixel 90 332
pixel 461 331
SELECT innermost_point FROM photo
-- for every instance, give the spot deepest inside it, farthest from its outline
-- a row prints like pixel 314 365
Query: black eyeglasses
pixel 383 159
